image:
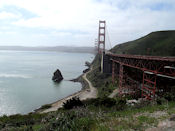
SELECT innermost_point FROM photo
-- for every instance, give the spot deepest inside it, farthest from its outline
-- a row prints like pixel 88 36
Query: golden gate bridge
pixel 151 67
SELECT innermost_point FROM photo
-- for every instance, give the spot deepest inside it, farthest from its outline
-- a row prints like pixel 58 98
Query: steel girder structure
pixel 152 66
pixel 126 84
pixel 149 85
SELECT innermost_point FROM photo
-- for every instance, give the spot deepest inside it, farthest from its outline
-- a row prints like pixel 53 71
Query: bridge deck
pixel 151 66
pixel 143 57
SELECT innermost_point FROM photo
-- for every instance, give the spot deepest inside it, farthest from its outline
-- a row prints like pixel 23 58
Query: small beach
pixel 85 93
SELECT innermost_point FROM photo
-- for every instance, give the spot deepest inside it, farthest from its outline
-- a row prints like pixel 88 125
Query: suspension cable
pixel 108 38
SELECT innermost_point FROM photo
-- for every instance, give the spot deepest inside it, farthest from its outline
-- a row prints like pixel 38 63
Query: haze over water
pixel 25 78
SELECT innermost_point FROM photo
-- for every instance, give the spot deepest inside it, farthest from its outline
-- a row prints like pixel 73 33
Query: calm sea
pixel 25 78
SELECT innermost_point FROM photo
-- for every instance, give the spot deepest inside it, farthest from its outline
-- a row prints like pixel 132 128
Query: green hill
pixel 160 43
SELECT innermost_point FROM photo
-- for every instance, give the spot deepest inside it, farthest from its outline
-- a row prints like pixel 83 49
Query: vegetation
pixel 19 122
pixel 103 82
pixel 96 114
pixel 161 43
pixel 69 104
pixel 45 106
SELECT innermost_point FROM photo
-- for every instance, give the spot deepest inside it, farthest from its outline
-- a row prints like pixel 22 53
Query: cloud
pixel 7 15
pixel 77 20
pixel 64 15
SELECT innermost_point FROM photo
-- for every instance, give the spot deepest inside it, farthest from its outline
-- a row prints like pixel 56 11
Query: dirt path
pixel 91 92
pixel 113 93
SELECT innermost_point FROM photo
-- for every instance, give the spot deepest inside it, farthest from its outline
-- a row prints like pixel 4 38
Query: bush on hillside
pixel 101 101
pixel 74 102
pixel 46 106
pixel 120 103
pixel 169 96
pixel 105 101
pixel 19 120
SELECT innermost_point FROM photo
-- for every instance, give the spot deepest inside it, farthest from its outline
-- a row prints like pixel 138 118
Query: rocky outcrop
pixel 88 64
pixel 86 70
pixel 57 76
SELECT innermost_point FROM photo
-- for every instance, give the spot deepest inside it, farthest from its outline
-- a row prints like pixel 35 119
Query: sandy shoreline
pixel 84 93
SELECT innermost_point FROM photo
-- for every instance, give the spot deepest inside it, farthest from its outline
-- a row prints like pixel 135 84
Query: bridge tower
pixel 101 36
pixel 101 41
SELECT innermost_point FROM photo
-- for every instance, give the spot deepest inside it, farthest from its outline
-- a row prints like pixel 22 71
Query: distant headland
pixel 72 49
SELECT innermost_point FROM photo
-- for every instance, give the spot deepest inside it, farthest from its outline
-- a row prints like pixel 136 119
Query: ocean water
pixel 25 78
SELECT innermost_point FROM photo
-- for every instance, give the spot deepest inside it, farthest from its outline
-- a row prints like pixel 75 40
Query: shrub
pixel 120 103
pixel 160 101
pixel 19 120
pixel 105 101
pixel 70 121
pixel 74 102
pixel 46 106
pixel 169 96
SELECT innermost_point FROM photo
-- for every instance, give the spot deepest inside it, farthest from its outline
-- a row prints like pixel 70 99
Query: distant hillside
pixel 56 48
pixel 161 43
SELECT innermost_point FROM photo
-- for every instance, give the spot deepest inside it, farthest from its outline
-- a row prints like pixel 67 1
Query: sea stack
pixel 57 76
pixel 88 64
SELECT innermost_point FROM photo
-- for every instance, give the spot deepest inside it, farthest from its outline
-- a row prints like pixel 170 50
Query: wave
pixel 3 75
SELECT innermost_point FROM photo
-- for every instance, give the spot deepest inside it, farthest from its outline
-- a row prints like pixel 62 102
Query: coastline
pixel 87 91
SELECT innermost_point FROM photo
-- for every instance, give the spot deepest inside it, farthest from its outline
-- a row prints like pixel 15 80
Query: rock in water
pixel 88 64
pixel 57 76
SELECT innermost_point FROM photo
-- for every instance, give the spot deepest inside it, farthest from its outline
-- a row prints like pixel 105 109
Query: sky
pixel 75 22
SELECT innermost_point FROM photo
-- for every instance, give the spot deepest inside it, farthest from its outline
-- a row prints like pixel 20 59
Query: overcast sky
pixel 75 22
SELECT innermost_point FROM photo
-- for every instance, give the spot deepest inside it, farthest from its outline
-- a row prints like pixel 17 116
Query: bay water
pixel 26 78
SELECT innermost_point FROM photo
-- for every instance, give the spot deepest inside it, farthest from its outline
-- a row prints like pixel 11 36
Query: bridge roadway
pixel 151 66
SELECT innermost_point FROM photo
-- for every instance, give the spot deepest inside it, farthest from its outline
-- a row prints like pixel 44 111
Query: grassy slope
pixel 161 43
pixel 103 82
pixel 92 117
